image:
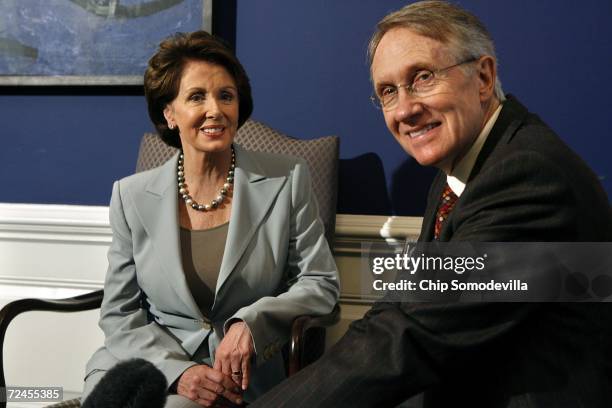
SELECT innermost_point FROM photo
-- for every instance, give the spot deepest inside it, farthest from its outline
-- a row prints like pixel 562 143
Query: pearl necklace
pixel 184 193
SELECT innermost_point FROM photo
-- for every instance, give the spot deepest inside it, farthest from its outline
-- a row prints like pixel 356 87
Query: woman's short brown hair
pixel 162 78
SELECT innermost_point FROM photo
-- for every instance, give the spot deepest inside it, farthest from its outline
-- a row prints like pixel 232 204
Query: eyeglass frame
pixel 377 101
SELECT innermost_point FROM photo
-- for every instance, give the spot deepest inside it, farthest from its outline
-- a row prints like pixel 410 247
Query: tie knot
pixel 448 195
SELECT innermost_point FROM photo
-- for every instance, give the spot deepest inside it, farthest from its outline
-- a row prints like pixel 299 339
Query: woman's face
pixel 205 109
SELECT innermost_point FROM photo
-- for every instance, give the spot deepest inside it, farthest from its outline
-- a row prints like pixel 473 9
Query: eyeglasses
pixel 424 83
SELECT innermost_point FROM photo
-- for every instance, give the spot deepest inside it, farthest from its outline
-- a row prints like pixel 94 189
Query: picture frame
pixel 89 42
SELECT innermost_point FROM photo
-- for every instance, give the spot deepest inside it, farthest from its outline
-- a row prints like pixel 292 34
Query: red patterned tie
pixel 447 202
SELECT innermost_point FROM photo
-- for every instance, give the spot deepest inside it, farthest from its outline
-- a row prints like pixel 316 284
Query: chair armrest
pixel 87 301
pixel 299 328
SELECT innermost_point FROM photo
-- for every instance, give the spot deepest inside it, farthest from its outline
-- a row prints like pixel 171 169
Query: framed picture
pixel 89 42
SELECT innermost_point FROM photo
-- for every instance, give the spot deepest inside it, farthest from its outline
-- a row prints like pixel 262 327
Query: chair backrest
pixel 321 155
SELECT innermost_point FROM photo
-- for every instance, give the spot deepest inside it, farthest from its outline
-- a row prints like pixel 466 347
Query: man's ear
pixel 487 75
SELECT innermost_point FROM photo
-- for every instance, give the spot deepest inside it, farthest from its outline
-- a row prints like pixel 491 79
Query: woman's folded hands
pixel 208 386
pixel 226 381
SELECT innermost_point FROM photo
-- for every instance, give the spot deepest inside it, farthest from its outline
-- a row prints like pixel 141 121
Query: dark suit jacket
pixel 527 185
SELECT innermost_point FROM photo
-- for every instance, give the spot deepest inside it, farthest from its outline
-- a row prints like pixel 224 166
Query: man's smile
pixel 420 132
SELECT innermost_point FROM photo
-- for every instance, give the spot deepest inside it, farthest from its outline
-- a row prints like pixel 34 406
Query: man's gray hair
pixel 462 31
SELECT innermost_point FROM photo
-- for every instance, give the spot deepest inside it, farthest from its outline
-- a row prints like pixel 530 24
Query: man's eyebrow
pixel 421 65
pixel 408 72
pixel 382 82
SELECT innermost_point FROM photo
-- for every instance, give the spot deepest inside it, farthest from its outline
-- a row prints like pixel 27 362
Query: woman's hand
pixel 233 356
pixel 206 386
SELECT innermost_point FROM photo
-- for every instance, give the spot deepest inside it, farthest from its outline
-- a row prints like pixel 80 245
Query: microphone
pixel 132 383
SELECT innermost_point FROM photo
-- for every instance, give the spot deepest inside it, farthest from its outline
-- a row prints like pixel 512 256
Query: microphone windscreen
pixel 130 384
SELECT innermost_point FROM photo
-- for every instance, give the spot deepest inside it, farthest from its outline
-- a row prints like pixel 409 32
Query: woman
pixel 215 252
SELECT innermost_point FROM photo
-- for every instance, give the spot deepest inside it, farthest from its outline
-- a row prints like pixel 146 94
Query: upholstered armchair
pixel 307 335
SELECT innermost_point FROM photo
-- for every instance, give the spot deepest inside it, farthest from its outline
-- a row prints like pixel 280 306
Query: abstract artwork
pixel 89 42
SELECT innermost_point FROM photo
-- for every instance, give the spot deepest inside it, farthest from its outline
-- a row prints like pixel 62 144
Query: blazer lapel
pixel 510 118
pixel 157 207
pixel 254 194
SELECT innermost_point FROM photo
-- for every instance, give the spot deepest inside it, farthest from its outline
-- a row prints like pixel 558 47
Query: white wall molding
pixel 50 222
pixel 54 250
pixel 53 214
pixel 63 247
pixel 80 220
pixel 377 226
pixel 60 250
pixel 73 285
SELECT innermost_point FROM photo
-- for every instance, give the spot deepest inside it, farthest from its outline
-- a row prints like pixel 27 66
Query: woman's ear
pixel 169 115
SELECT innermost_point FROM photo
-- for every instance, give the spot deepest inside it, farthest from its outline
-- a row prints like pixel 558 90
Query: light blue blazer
pixel 277 265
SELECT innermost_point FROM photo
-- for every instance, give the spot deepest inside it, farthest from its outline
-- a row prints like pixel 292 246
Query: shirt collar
pixel 458 177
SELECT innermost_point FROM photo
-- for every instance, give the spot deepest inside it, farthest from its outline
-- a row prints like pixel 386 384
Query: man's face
pixel 437 129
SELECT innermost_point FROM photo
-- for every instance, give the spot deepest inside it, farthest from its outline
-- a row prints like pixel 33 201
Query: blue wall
pixel 306 60
pixel 68 149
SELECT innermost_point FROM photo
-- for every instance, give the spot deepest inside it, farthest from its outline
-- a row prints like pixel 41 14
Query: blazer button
pixel 207 326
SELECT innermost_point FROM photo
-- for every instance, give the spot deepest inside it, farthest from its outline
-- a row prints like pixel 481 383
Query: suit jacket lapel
pixel 510 118
pixel 254 194
pixel 157 207
pixel 433 199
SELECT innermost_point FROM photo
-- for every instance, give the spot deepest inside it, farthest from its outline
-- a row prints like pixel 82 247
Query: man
pixel 504 176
